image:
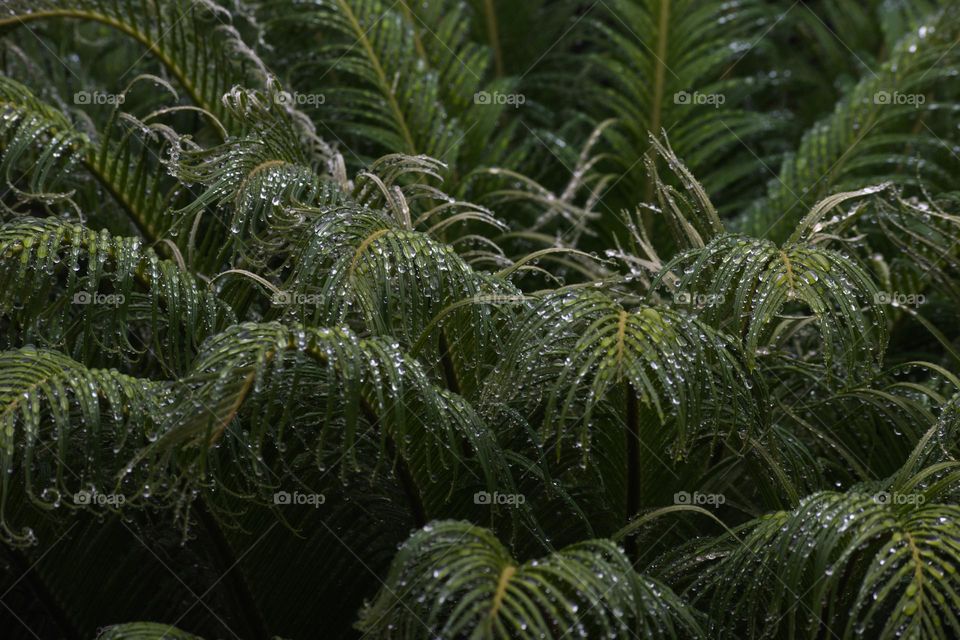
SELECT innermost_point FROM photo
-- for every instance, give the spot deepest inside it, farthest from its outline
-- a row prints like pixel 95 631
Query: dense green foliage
pixel 479 319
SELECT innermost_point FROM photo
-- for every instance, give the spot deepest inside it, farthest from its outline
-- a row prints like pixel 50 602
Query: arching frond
pixel 878 562
pixel 822 438
pixel 400 185
pixel 67 431
pixel 42 145
pixel 193 40
pixel 36 141
pixel 923 230
pixel 875 132
pixel 572 349
pixel 65 284
pixel 254 179
pixel 452 579
pixel 403 284
pixel 306 393
pixel 144 631
pixel 751 287
pixel 688 53
pixel 381 99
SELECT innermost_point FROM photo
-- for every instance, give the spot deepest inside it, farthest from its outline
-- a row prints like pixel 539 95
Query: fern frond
pixel 401 186
pixel 452 579
pixel 875 132
pixel 572 349
pixel 750 287
pixel 193 40
pixel 144 631
pixel 68 431
pixel 403 284
pixel 40 143
pixel 37 141
pixel 354 390
pixel 254 179
pixel 66 284
pixel 387 102
pixel 862 562
pixel 686 52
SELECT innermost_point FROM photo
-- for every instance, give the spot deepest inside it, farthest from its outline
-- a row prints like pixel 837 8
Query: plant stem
pixel 226 562
pixel 633 460
pixel 493 33
pixel 660 76
pixel 449 373
pixel 410 490
pixel 404 475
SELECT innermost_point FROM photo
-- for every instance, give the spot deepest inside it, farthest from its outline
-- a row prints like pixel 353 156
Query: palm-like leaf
pixel 176 33
pixel 36 139
pixel 144 631
pixel 358 389
pixel 874 133
pixel 452 579
pixel 747 284
pixel 859 563
pixel 117 277
pixel 574 348
pixel 689 51
pixel 57 436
